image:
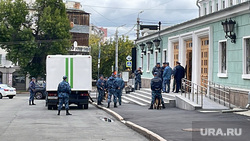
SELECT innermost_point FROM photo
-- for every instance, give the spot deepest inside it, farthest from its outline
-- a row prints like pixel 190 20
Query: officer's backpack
pixel 157 85
pixel 63 87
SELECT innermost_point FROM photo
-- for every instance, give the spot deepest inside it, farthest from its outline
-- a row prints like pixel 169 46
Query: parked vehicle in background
pixel 40 92
pixel 20 79
pixel 7 91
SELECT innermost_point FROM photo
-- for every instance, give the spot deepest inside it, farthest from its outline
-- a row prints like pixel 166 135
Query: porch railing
pixel 196 93
pixel 193 91
pixel 217 92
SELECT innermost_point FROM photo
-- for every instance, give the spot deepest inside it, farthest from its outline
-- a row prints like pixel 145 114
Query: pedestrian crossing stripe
pixel 69 70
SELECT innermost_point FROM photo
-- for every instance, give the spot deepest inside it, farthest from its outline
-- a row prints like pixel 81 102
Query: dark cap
pixel 178 62
pixel 164 63
pixel 101 76
pixel 158 63
pixel 155 73
pixel 139 67
pixel 33 78
pixel 167 63
pixel 64 77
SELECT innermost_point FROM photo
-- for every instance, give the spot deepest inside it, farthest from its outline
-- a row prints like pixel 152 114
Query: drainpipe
pixel 197 3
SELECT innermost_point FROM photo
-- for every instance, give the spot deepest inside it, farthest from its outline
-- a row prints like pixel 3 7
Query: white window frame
pixel 220 74
pixel 244 74
pixel 148 61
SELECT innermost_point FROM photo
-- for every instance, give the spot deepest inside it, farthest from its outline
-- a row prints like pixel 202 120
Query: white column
pixel 219 5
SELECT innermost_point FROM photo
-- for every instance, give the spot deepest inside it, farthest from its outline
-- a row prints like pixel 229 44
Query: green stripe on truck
pixel 67 67
pixel 71 72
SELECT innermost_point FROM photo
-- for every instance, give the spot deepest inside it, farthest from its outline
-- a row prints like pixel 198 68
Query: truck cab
pixel 78 69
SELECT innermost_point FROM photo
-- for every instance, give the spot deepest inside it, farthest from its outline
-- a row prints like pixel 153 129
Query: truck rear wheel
pixel 80 106
pixel 49 107
pixel 86 106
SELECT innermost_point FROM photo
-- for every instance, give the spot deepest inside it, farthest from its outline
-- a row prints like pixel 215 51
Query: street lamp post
pixel 116 49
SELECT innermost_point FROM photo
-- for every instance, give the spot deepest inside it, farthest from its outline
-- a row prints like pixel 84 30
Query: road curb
pixel 147 133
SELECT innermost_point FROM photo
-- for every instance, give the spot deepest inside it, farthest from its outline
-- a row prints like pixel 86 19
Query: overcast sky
pixel 114 13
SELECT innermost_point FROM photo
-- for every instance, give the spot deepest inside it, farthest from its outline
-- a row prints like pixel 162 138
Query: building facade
pixel 79 21
pixel 201 47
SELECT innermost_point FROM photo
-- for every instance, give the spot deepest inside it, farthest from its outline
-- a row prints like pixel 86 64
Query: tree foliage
pixel 29 38
pixel 107 58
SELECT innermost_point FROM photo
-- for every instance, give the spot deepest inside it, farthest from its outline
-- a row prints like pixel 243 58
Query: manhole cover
pixel 192 129
pixel 105 119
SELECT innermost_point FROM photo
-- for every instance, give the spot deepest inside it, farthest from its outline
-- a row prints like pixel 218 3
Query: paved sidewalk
pixel 169 123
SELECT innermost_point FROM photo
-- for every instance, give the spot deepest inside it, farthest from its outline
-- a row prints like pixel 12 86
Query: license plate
pixel 11 90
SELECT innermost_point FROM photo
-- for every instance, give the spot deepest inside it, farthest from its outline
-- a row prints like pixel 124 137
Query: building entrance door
pixel 188 66
pixel 176 53
pixel 204 59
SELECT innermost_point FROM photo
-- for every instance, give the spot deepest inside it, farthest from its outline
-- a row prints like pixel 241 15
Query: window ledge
pixel 222 75
pixel 148 71
pixel 245 76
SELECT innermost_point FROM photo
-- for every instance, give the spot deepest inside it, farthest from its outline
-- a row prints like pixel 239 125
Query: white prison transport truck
pixel 78 69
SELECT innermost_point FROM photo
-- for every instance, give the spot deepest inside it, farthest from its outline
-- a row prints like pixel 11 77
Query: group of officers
pixel 162 78
pixel 113 86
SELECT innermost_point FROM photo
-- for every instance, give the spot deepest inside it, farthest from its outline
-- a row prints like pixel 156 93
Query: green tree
pixel 108 54
pixel 27 38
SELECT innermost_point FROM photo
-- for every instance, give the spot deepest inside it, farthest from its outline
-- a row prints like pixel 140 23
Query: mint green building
pixel 201 47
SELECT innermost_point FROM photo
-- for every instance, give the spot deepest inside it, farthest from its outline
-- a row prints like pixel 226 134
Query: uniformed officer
pixel 156 86
pixel 138 74
pixel 121 85
pixel 32 87
pixel 157 69
pixel 64 91
pixel 179 73
pixel 167 77
pixel 112 86
pixel 100 87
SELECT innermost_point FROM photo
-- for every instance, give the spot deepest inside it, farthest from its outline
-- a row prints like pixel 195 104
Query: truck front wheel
pixel 86 106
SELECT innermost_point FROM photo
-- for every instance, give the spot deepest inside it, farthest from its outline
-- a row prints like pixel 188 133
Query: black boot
pixel 29 102
pixel 67 112
pixel 108 105
pixel 115 105
pixel 120 103
pixel 33 102
pixel 163 106
pixel 151 107
pixel 58 112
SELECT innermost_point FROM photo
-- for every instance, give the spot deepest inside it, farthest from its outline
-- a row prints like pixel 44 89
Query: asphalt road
pixel 21 122
pixel 170 123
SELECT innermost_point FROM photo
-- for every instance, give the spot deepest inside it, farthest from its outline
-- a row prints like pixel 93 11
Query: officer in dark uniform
pixel 121 85
pixel 157 69
pixel 138 74
pixel 32 87
pixel 112 86
pixel 64 91
pixel 100 87
pixel 156 87
pixel 179 73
